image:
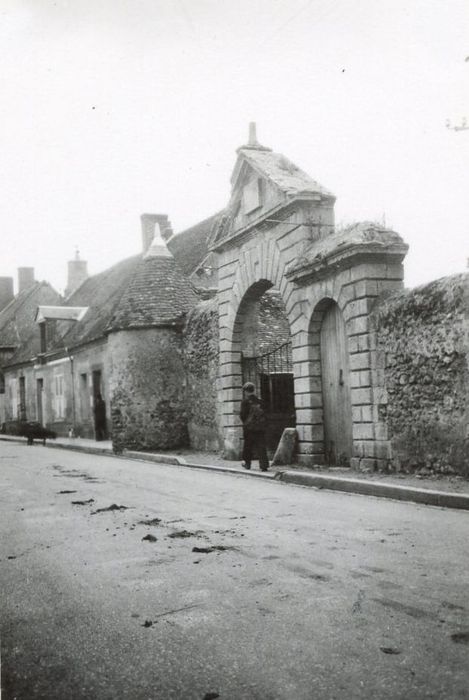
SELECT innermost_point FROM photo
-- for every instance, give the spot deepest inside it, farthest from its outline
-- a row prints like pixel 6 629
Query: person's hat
pixel 249 387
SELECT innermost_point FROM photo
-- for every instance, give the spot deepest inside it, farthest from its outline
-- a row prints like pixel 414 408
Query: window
pixel 39 400
pixel 253 195
pixel 59 397
pixel 13 398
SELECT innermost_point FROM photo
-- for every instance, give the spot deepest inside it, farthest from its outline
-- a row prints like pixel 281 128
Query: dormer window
pixel 253 195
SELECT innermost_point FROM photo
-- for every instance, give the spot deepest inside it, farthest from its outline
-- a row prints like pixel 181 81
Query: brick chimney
pixel 77 273
pixel 25 278
pixel 6 291
pixel 149 222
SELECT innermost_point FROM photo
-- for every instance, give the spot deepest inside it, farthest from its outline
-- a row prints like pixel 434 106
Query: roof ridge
pixel 20 298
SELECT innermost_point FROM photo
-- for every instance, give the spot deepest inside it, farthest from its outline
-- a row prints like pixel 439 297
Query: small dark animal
pixel 32 430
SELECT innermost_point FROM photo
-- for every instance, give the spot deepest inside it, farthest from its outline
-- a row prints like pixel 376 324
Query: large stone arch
pixel 259 268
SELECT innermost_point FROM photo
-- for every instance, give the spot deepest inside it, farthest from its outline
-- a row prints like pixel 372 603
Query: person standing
pixel 254 425
pixel 100 417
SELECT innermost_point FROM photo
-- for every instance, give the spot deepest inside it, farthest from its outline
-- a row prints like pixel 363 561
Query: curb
pixel 181 462
pixel 443 499
pixel 59 446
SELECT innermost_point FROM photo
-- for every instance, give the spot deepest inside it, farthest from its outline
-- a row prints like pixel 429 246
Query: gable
pixel 263 184
pixel 253 197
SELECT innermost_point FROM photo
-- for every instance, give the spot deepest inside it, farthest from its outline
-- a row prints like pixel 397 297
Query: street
pixel 124 579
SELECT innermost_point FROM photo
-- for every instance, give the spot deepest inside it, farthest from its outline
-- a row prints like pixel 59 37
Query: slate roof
pixel 101 293
pixel 190 247
pixel 16 318
pixel 158 294
pixel 280 170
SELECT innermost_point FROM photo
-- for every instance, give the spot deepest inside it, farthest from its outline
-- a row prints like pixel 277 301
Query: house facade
pixel 16 329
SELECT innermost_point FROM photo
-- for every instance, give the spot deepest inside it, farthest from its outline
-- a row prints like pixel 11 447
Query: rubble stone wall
pixel 273 329
pixel 423 370
pixel 201 365
pixel 147 389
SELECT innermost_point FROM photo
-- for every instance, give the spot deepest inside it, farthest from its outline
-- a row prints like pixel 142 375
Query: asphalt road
pixel 306 594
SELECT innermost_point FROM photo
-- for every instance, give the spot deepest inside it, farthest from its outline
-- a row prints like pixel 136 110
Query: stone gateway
pixel 269 291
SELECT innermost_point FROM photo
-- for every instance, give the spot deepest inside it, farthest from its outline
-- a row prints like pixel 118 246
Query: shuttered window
pixel 59 397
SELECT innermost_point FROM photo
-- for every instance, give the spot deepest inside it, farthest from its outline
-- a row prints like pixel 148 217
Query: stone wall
pixel 423 353
pixel 273 329
pixel 201 364
pixel 147 389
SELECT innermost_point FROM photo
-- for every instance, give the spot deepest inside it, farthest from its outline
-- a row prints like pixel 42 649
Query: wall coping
pixel 345 257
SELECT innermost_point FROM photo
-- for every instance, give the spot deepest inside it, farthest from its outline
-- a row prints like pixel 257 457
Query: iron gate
pixel 272 375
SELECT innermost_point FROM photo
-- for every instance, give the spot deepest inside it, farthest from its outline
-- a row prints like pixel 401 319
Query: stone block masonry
pixel 423 336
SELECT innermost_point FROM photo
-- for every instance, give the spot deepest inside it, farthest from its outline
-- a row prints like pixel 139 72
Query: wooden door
pixel 337 405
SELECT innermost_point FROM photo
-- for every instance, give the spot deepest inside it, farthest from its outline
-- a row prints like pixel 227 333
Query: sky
pixel 112 108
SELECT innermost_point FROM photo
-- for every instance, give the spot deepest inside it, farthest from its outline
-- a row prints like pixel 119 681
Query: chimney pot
pixel 252 134
pixel 6 291
pixel 77 273
pixel 25 278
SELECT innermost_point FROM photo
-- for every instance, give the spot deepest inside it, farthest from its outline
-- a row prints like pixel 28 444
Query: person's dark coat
pixel 253 418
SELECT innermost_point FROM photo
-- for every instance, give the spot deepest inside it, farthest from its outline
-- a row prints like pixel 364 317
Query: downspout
pixel 72 430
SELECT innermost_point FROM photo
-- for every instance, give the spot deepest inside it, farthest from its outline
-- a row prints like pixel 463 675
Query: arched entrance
pixel 335 374
pixel 263 334
pixel 331 366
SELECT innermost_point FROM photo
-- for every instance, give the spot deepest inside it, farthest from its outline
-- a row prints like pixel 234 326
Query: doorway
pixel 272 375
pixel 335 371
pixel 39 400
pixel 22 386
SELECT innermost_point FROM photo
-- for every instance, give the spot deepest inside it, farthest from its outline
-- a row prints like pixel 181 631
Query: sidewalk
pixel 439 490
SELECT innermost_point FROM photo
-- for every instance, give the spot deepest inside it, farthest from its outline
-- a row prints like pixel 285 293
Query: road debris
pixel 152 521
pixel 83 503
pixel 212 548
pixel 458 637
pixel 149 538
pixel 390 650
pixel 66 491
pixel 112 507
pixel 184 533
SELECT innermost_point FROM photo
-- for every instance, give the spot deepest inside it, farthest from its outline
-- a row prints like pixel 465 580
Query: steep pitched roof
pixel 190 247
pixel 17 318
pixel 279 170
pixel 101 293
pixel 158 294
